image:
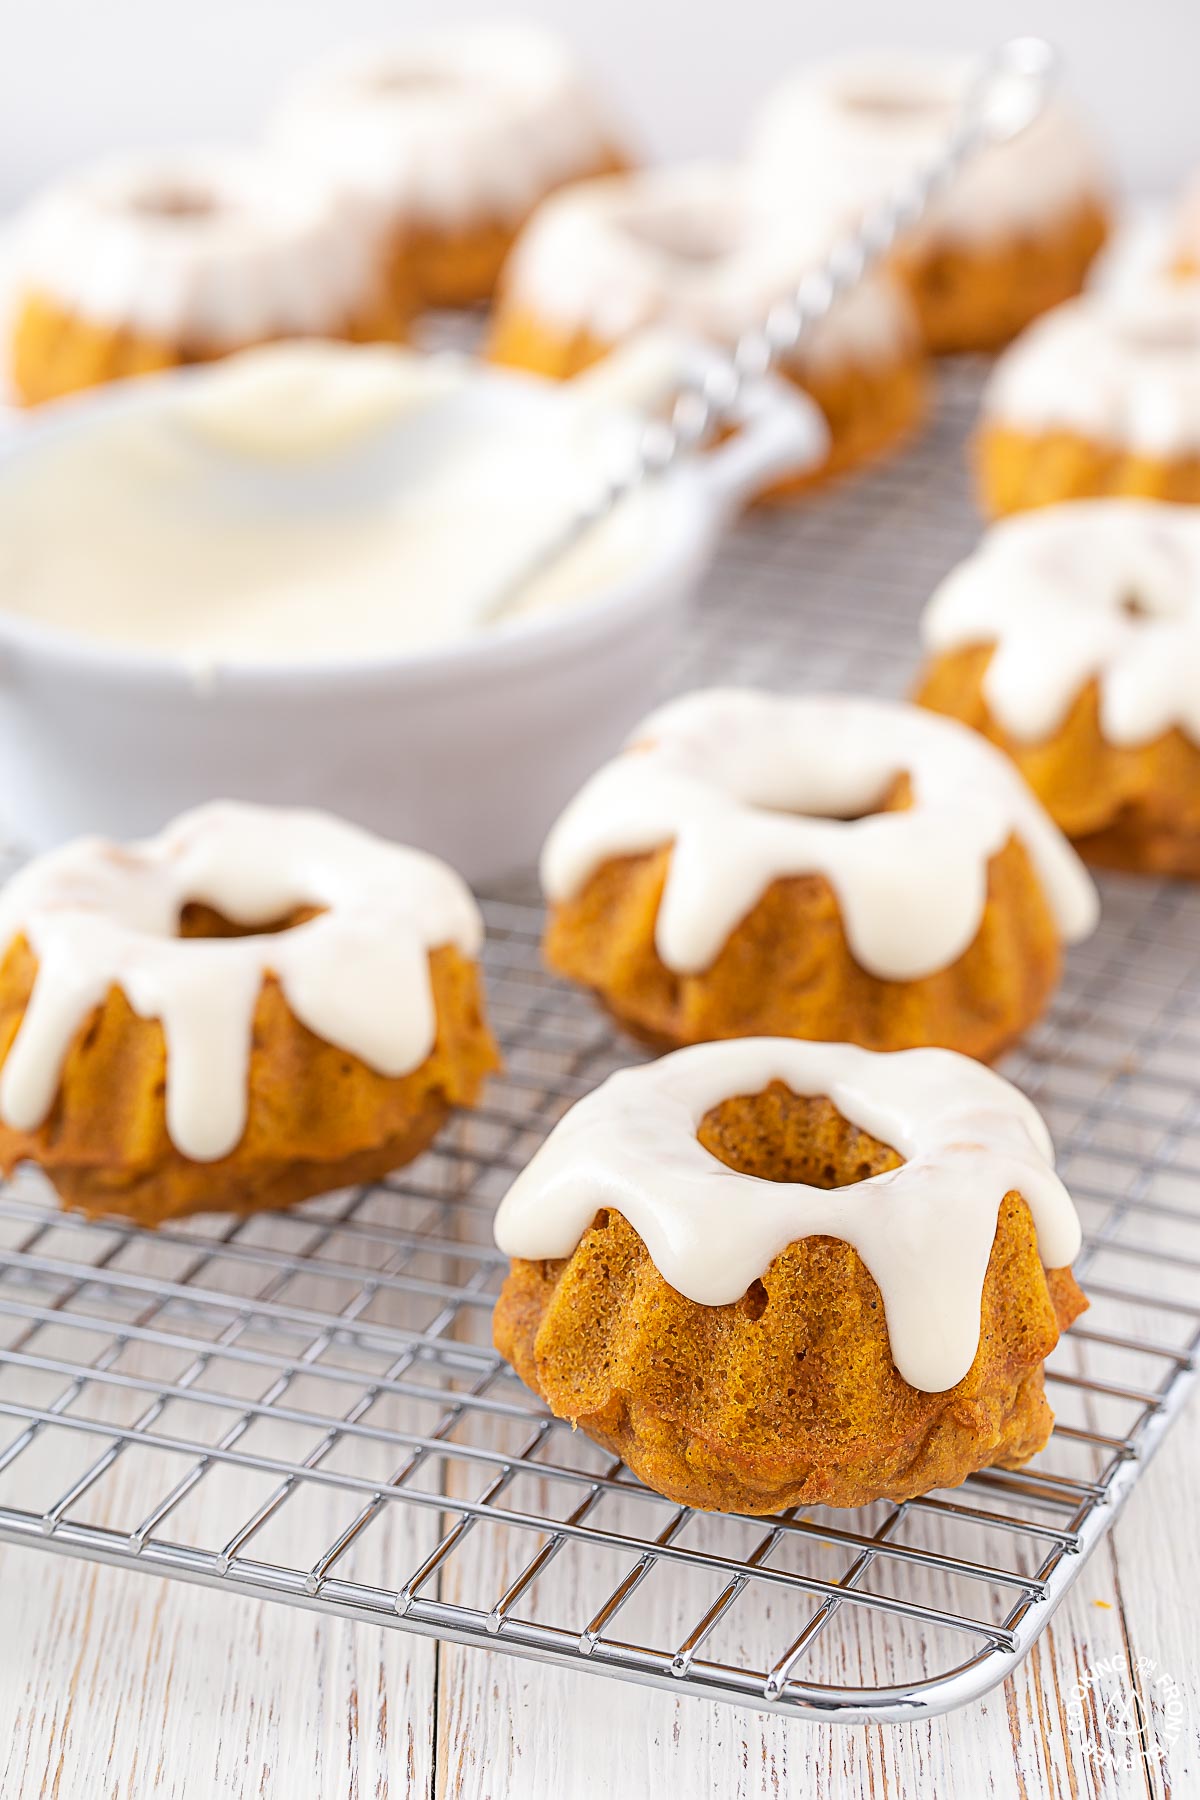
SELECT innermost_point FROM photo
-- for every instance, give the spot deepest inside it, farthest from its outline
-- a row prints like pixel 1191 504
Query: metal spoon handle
pixel 1009 92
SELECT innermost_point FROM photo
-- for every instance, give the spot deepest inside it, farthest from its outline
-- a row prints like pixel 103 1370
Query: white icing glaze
pixel 751 787
pixel 689 249
pixel 303 503
pixel 304 399
pixel 844 133
pixel 99 916
pixel 1052 591
pixel 1119 368
pixel 209 246
pixel 449 126
pixel 924 1230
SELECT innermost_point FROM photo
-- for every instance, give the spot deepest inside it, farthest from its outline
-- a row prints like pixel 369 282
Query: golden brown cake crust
pixel 453 268
pixel 787 970
pixel 870 408
pixel 871 411
pixel 1126 807
pixel 1017 471
pixel 789 1396
pixel 318 1117
pixel 460 266
pixel 55 352
pixel 979 296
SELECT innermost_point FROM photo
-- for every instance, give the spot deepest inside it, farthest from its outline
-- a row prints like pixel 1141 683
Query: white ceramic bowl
pixel 468 751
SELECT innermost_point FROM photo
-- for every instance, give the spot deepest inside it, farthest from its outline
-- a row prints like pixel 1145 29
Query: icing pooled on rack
pixel 1119 368
pixel 844 133
pixel 449 126
pixel 691 250
pixel 924 1230
pixel 100 916
pixel 750 787
pixel 1094 590
pixel 205 248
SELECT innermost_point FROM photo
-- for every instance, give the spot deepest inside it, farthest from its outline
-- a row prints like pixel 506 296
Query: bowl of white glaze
pixel 137 677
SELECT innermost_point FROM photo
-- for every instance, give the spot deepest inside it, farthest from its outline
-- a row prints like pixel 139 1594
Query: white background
pixel 81 75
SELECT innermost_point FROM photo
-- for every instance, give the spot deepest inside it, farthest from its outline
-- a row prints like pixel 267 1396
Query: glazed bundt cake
pixel 814 866
pixel 772 1274
pixel 1101 397
pixel 450 136
pixel 687 250
pixel 1071 639
pixel 256 1006
pixel 144 262
pixel 1012 235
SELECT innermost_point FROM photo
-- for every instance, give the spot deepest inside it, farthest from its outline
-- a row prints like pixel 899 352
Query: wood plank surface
pixel 132 1688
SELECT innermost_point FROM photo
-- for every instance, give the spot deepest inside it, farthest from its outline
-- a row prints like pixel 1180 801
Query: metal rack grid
pixel 306 1406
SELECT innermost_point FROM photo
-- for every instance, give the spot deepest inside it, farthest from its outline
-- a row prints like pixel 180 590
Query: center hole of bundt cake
pixel 410 79
pixel 176 202
pixel 781 1136
pixel 895 104
pixel 686 236
pixel 1167 333
pixel 847 816
pixel 895 797
pixel 200 921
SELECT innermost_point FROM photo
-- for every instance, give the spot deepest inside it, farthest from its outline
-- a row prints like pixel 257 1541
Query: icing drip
pixel 842 134
pixel 1103 590
pixel 1117 368
pixel 99 916
pixel 689 249
pixel 208 247
pixel 751 787
pixel 449 126
pixel 924 1230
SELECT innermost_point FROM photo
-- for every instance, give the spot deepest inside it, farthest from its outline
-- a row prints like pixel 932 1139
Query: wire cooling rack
pixel 307 1406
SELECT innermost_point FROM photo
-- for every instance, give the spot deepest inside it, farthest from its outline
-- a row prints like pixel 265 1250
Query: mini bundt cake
pixel 772 1274
pixel 1183 250
pixel 256 1006
pixel 1099 398
pixel 1011 236
pixel 147 261
pixel 452 136
pixel 1072 639
pixel 813 866
pixel 690 251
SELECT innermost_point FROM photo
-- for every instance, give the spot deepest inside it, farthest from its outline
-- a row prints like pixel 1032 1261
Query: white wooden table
pixel 133 1688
